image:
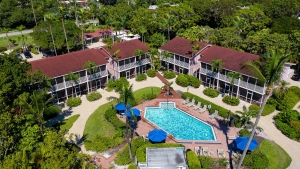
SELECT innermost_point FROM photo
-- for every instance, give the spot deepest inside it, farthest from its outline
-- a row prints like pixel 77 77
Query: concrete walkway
pixel 16 33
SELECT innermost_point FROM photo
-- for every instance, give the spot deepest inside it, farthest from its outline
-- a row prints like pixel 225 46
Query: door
pixel 249 96
pixel 181 70
pixel 143 69
pixel 127 74
pixel 227 88
pixel 208 80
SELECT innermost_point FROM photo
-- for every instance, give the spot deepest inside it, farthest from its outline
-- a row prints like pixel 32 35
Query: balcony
pixel 170 60
pixel 97 75
pixel 134 64
pixel 182 64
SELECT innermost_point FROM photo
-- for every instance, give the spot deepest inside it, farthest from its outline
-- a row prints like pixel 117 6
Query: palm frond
pixel 111 98
pixel 254 69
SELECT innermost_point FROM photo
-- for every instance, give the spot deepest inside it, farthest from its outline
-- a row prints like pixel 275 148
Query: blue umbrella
pixel 127 113
pixel 241 142
pixel 157 135
pixel 136 111
pixel 121 106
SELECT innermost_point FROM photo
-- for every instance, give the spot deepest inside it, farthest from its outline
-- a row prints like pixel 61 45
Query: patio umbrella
pixel 127 113
pixel 136 111
pixel 121 106
pixel 241 142
pixel 157 135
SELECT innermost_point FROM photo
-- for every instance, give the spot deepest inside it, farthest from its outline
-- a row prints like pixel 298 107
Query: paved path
pixel 16 33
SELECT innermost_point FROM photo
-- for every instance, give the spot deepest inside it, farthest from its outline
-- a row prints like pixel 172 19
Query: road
pixel 16 33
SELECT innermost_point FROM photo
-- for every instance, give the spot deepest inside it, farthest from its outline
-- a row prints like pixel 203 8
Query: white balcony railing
pixel 97 75
pixel 134 64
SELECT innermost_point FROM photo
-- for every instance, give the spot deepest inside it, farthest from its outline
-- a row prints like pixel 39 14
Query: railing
pixel 206 72
pixel 134 64
pixel 97 75
pixel 227 79
pixel 181 63
pixel 170 60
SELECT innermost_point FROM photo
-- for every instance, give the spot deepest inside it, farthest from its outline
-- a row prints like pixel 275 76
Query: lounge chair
pixel 232 137
pixel 198 150
pixel 198 106
pixel 192 103
pixel 202 110
pixel 205 151
pixel 221 153
pixel 216 113
pixel 186 101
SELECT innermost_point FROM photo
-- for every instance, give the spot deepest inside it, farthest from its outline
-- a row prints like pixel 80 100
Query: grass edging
pixel 68 123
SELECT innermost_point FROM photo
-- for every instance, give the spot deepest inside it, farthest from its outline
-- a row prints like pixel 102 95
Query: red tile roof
pixel 71 62
pixel 127 48
pixel 232 59
pixel 97 33
pixel 181 46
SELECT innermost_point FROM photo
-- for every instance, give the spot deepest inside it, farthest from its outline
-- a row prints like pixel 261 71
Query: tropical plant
pixel 282 88
pixel 168 87
pixel 126 94
pixel 116 54
pixel 139 53
pixel 50 18
pixel 91 68
pixel 73 78
pixel 143 30
pixel 6 30
pixel 216 67
pixel 165 56
pixel 196 48
pixel 168 22
pixel 62 12
pixel 32 8
pixel 20 29
pixel 82 15
pixel 272 74
pixel 246 114
pixel 153 56
pixel 233 76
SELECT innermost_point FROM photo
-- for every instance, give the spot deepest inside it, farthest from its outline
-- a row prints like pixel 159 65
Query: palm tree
pixel 50 18
pixel 196 48
pixel 143 30
pixel 239 24
pixel 280 91
pixel 246 114
pixel 126 94
pixel 153 53
pixel 110 21
pixel 82 16
pixel 6 30
pixel 38 107
pixel 233 76
pixel 116 54
pixel 165 56
pixel 216 67
pixel 75 9
pixel 139 53
pixel 62 11
pixel 91 68
pixel 33 12
pixel 272 75
pixel 168 87
pixel 72 78
pixel 168 22
pixel 20 29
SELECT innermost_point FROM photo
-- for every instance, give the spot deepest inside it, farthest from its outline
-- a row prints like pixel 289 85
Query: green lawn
pixel 97 124
pixel 68 123
pixel 28 40
pixel 278 157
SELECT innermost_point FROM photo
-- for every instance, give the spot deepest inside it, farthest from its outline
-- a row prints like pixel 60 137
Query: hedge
pixel 244 132
pixel 268 109
pixel 290 99
pixel 233 101
pixel 222 111
pixel 211 92
pixel 93 96
pixel 123 157
pixel 110 115
pixel 192 160
pixel 187 80
pixel 73 101
pixel 140 77
pixel 151 72
pixel 206 162
pixel 132 166
pixel 256 160
pixel 141 151
pixel 288 123
pixel 169 74
pixel 2 49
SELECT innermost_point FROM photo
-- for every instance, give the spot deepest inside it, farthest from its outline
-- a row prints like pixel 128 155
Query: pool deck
pixel 222 131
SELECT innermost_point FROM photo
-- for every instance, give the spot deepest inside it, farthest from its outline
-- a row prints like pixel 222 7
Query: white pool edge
pixel 213 131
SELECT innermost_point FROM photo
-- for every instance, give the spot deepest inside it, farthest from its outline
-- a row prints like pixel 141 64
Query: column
pixel 87 81
pixel 238 87
pixel 65 87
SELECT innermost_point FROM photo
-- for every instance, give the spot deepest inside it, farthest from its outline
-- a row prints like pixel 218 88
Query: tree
pixel 6 30
pixel 281 89
pixel 20 29
pixel 196 48
pixel 126 95
pixel 91 68
pixel 143 30
pixel 216 67
pixel 50 19
pixel 33 12
pixel 272 74
pixel 165 57
pixel 73 78
pixel 82 16
pixel 116 54
pixel 62 12
pixel 168 23
pixel 139 53
pixel 168 87
pixel 246 114
pixel 157 40
pixel 38 107
pixel 233 76
pixel 153 56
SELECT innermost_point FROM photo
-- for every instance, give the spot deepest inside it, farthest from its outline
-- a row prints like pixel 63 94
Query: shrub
pixel 93 96
pixel 272 101
pixel 222 111
pixel 244 132
pixel 237 121
pixel 192 160
pixel 140 77
pixel 211 92
pixel 141 151
pixel 256 160
pixel 231 101
pixel 268 109
pixel 288 123
pixel 169 74
pixel 73 101
pixel 193 81
pixel 132 166
pixel 111 84
pixel 34 51
pixel 181 80
pixel 120 83
pixel 110 115
pixel 290 99
pixel 101 143
pixel 255 108
pixel 2 49
pixel 148 96
pixel 206 162
pixel 107 40
pixel 151 72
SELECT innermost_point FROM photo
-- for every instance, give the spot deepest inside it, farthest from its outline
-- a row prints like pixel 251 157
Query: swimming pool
pixel 178 123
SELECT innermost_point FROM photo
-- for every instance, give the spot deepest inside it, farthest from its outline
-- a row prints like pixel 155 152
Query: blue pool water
pixel 178 123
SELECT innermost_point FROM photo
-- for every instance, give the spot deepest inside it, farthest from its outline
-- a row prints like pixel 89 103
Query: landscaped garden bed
pixel 187 80
pixel 93 96
pixel 231 100
pixel 73 101
pixel 210 92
